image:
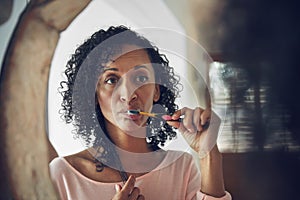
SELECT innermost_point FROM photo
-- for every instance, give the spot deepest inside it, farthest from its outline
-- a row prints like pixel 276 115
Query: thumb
pixel 174 124
pixel 118 187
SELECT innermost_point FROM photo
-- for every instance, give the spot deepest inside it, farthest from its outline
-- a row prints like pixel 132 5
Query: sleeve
pixel 56 167
pixel 227 196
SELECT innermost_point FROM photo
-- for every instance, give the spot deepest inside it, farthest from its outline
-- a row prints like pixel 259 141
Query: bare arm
pixel 202 140
pixel 212 181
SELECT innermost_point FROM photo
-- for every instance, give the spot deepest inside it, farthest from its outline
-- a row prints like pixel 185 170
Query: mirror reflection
pixel 126 127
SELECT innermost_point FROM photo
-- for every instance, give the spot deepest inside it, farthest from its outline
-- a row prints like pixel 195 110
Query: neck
pixel 129 141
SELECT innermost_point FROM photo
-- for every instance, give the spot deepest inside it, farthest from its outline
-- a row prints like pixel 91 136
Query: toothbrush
pixel 156 115
pixel 160 115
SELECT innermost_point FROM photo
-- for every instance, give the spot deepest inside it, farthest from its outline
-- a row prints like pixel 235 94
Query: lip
pixel 130 116
pixel 134 117
pixel 125 111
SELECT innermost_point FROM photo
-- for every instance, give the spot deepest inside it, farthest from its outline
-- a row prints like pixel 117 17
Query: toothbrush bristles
pixel 134 112
pixel 137 112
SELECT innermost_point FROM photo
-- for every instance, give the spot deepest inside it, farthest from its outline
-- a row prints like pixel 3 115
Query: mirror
pixel 189 59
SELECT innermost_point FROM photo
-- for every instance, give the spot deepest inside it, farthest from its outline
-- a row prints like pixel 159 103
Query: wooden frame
pixel 25 149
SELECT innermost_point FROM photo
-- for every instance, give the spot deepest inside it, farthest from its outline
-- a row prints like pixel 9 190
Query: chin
pixel 128 126
pixel 133 129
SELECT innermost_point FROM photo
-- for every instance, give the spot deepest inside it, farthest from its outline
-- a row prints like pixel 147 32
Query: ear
pixel 156 93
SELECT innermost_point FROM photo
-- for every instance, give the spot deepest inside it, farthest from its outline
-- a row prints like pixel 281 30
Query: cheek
pixel 146 94
pixel 108 101
pixel 104 99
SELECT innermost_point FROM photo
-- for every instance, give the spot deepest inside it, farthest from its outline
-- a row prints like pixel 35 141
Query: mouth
pixel 131 115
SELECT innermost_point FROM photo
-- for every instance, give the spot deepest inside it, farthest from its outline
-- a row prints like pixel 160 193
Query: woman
pixel 111 78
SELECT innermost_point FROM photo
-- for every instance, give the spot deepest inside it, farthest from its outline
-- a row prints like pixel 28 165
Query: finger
pixel 178 125
pixel 174 124
pixel 129 185
pixel 141 197
pixel 177 114
pixel 205 116
pixel 197 119
pixel 118 187
pixel 134 194
pixel 175 117
pixel 188 120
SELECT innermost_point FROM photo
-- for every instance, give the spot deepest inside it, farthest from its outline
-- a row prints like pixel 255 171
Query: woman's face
pixel 127 83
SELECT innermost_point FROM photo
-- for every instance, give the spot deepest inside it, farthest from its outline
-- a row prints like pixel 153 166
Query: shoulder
pixel 57 162
pixel 59 166
pixel 76 161
pixel 81 160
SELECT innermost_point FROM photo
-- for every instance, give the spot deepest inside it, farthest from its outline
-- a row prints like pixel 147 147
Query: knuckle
pixel 184 109
pixel 185 123
pixel 136 190
pixel 141 197
pixel 189 126
pixel 131 184
pixel 132 181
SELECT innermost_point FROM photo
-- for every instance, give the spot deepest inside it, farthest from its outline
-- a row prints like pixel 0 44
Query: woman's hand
pixel 203 141
pixel 194 126
pixel 128 191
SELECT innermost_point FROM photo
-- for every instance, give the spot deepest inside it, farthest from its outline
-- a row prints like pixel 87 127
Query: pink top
pixel 178 180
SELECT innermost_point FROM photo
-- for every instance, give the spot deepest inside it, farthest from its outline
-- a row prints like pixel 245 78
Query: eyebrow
pixel 140 66
pixel 116 69
pixel 110 69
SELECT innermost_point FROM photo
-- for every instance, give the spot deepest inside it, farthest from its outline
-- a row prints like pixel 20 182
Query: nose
pixel 127 91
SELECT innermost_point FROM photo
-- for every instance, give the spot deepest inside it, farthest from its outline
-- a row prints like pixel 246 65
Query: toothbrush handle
pixel 205 126
pixel 177 120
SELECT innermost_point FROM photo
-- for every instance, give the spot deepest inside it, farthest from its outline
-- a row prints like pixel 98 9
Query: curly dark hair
pixel 80 105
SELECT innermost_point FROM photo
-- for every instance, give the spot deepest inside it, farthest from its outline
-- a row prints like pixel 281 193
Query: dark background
pixel 261 49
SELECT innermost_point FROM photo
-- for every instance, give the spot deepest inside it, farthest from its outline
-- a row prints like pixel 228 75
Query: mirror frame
pixel 25 150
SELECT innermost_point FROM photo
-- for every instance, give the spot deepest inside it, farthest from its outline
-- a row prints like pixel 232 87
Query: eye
pixel 111 80
pixel 141 79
